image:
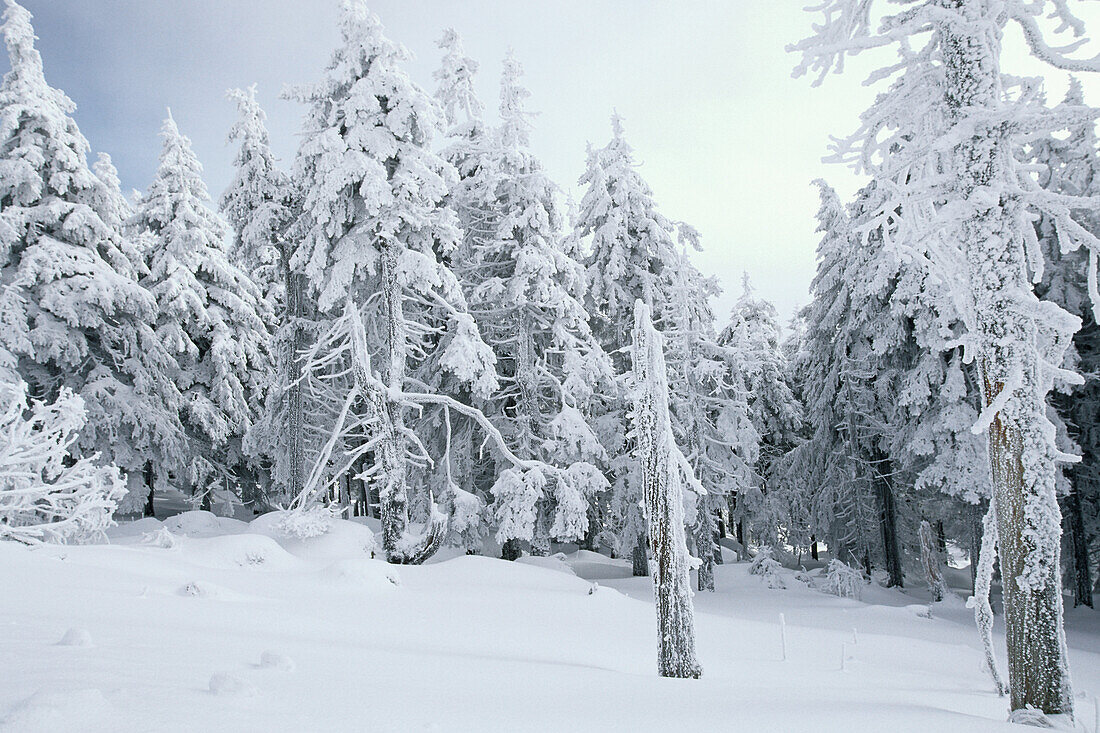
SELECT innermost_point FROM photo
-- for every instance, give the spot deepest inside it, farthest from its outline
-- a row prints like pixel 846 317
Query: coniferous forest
pixel 400 434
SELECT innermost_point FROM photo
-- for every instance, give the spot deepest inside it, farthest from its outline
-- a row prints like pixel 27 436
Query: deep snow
pixel 203 623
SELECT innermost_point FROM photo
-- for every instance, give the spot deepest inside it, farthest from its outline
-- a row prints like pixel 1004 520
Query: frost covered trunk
pixel 1082 582
pixel 1005 333
pixel 295 415
pixel 933 563
pixel 662 486
pixel 393 493
pixel 704 542
pixel 528 415
pixel 983 612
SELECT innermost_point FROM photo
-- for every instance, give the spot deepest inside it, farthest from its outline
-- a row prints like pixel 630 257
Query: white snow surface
pixel 298 635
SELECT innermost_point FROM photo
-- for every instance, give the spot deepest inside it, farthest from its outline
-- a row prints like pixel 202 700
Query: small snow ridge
pixel 228 685
pixel 366 574
pixel 250 551
pixel 76 637
pixel 275 660
pixel 50 712
pixel 554 562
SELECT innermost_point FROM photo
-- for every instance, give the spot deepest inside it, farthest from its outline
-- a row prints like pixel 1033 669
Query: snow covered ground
pixel 207 624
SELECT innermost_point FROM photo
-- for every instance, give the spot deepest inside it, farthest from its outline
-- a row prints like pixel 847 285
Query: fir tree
pixel 526 290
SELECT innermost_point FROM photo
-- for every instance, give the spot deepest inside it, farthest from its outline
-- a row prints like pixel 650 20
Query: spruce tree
pixel 945 135
pixel 371 231
pixel 632 256
pixel 72 310
pixel 526 287
pixel 260 204
pixel 208 315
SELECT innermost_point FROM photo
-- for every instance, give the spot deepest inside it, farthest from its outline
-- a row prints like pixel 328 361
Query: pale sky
pixel 726 138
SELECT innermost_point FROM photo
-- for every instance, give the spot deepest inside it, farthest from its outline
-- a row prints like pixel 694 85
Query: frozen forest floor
pixel 215 626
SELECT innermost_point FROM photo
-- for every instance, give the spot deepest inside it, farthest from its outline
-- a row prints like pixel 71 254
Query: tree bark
pixel 888 523
pixel 1082 583
pixel 638 558
pixel 150 480
pixel 704 544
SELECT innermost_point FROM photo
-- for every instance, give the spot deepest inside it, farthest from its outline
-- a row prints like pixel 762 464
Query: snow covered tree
pixel 525 290
pixel 45 493
pixel 775 413
pixel 471 148
pixel 632 256
pixel 665 470
pixel 709 404
pixel 209 315
pixel 371 230
pixel 1071 167
pixel 849 392
pixel 260 205
pixel 945 135
pixel 72 310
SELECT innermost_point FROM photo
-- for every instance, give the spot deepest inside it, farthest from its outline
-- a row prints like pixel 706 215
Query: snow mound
pixel 343 539
pixel 556 562
pixel 476 570
pixel 252 551
pixel 275 660
pixel 51 712
pixel 228 685
pixel 203 524
pixel 76 637
pixel 373 575
pixel 136 528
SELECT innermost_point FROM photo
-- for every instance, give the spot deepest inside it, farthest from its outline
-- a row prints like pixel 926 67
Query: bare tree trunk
pixel 888 523
pixel 1038 671
pixel 150 480
pixel 292 367
pixel 1082 583
pixel 638 558
pixel 540 541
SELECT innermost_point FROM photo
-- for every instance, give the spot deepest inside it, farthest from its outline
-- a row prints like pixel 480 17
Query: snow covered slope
pixel 214 625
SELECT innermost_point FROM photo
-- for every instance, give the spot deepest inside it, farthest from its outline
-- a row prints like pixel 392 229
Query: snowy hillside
pixel 209 624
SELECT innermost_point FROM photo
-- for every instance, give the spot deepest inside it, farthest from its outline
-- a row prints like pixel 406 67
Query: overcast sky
pixel 726 138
